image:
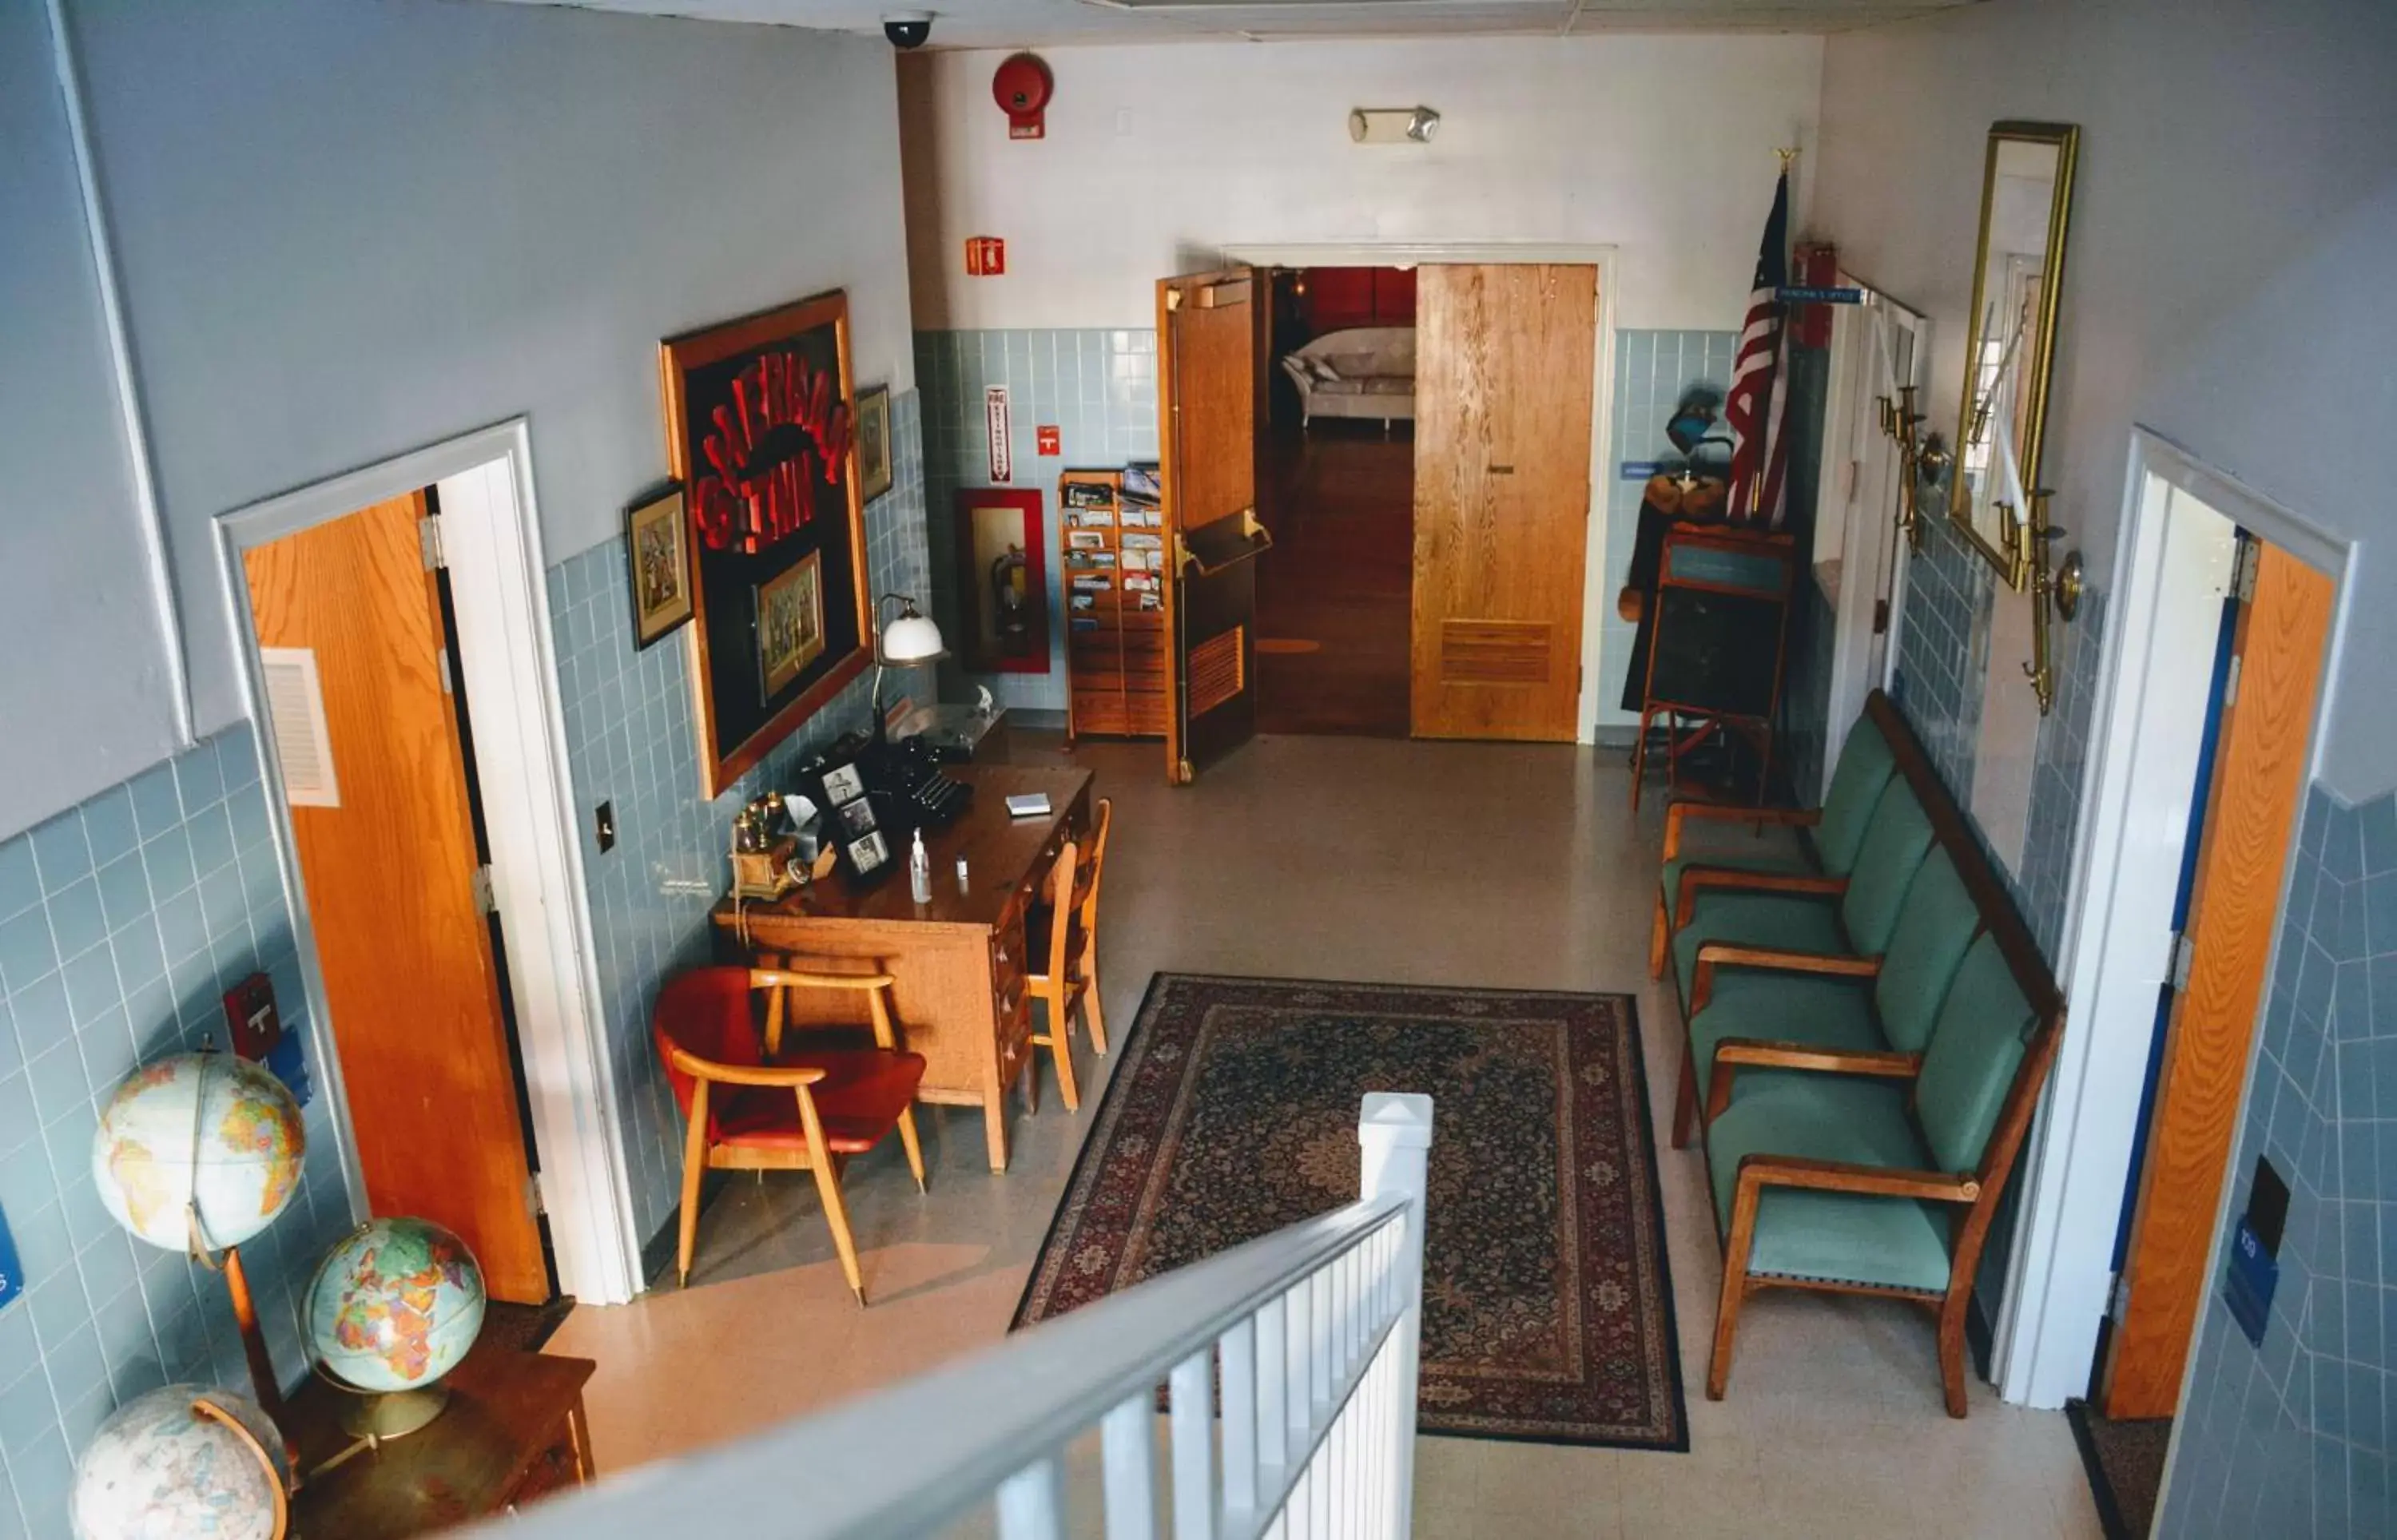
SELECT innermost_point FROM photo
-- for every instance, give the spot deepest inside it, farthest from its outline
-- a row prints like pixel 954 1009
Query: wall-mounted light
pixel 1392 124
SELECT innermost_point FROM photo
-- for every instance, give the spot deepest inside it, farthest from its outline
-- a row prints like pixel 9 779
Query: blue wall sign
pixel 2247 1281
pixel 1794 294
pixel 1640 469
pixel 12 1281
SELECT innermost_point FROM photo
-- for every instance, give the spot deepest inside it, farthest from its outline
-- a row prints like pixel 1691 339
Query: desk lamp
pixel 907 639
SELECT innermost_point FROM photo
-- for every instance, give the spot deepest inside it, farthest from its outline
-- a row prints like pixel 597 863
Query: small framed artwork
pixel 844 784
pixel 657 543
pixel 790 623
pixel 1003 579
pixel 873 440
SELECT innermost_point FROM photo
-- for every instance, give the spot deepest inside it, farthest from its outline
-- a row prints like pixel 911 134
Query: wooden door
pixel 2251 816
pixel 1209 330
pixel 1503 356
pixel 392 870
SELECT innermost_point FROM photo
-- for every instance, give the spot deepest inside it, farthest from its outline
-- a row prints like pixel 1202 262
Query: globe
pixel 205 1128
pixel 184 1460
pixel 394 1306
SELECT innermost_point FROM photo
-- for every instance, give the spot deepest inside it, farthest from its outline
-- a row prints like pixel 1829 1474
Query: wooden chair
pixel 1064 959
pixel 750 1106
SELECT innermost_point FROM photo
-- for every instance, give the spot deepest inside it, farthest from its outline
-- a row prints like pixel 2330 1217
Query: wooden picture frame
pixel 760 431
pixel 1002 536
pixel 657 560
pixel 874 447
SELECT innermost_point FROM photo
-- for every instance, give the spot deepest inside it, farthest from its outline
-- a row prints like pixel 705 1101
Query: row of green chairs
pixel 1868 1026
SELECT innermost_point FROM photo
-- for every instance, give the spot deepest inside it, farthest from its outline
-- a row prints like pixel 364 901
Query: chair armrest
pixel 746 1074
pixel 1676 811
pixel 1697 879
pixel 789 978
pixel 1733 1053
pixel 1759 1172
pixel 1716 954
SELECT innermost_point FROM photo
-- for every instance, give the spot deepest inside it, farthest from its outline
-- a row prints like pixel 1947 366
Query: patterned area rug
pixel 1548 1309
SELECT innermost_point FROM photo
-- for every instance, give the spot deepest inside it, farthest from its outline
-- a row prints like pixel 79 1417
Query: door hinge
pixel 2230 681
pixel 428 540
pixel 535 1199
pixel 1881 617
pixel 485 903
pixel 441 662
pixel 1173 301
pixel 2118 1299
pixel 2251 556
pixel 2184 957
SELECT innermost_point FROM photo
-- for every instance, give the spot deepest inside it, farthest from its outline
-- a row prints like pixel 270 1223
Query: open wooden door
pixel 1504 357
pixel 1210 348
pixel 349 618
pixel 2280 632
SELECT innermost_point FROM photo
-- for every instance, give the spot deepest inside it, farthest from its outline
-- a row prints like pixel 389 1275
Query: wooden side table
pixel 512 1431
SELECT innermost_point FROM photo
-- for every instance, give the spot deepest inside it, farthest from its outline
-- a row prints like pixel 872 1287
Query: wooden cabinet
pixel 1116 558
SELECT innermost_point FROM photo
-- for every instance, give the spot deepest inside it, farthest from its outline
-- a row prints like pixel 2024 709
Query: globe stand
pixel 263 1382
pixel 391 1413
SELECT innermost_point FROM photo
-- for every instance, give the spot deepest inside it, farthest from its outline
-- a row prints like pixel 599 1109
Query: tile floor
pixel 1466 864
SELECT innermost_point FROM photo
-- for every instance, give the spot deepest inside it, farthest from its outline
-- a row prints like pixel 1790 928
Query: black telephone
pixel 875 795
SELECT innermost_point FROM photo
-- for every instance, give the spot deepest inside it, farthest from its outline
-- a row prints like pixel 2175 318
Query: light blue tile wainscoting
pixel 1098 388
pixel 631 740
pixel 122 922
pixel 2293 1438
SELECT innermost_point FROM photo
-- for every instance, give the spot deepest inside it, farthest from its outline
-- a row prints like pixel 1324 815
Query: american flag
pixel 1760 453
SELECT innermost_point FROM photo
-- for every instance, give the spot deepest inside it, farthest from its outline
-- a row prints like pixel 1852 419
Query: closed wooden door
pixel 1504 357
pixel 2243 853
pixel 1210 336
pixel 388 853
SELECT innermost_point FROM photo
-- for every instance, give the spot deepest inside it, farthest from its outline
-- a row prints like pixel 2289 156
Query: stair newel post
pixel 1394 1131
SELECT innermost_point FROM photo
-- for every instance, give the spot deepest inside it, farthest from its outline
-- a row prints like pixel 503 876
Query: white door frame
pixel 2115 939
pixel 490 532
pixel 1409 254
pixel 1861 504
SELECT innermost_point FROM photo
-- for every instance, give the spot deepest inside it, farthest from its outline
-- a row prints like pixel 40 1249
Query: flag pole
pixel 1756 486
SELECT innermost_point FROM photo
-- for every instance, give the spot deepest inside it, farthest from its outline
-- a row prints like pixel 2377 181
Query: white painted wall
pixel 1158 156
pixel 2225 282
pixel 86 695
pixel 345 231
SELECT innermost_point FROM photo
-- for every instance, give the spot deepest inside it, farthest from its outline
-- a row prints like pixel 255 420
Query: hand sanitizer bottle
pixel 920 870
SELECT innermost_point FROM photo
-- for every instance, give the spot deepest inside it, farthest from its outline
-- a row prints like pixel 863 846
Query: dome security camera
pixel 907 29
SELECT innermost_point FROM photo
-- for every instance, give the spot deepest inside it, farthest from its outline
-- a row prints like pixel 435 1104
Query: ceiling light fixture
pixel 1392 124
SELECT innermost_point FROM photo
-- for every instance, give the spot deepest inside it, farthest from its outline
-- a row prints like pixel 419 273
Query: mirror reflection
pixel 2026 193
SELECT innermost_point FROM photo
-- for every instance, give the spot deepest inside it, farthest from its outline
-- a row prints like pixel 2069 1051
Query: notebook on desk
pixel 1029 805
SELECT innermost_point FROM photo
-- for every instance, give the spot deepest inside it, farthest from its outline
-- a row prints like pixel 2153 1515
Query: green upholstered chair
pixel 1758 1018
pixel 1828 836
pixel 1881 1184
pixel 1816 925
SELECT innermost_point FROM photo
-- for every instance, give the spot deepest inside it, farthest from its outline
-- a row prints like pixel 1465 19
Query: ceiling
pixel 1026 23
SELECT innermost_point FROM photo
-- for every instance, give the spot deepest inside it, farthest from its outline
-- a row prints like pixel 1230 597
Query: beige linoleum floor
pixel 1463 864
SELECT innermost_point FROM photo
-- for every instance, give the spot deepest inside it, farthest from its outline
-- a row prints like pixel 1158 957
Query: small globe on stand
pixel 394 1306
pixel 183 1460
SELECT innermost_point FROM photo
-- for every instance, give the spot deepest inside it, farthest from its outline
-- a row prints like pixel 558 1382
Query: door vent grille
pixel 1494 651
pixel 1218 669
pixel 295 704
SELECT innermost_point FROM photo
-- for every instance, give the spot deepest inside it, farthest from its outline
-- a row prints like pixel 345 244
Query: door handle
pixel 1502 470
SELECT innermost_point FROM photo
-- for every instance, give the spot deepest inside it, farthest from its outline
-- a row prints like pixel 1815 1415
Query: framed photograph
pixel 1003 579
pixel 790 623
pixel 858 816
pixel 873 440
pixel 657 544
pixel 844 784
pixel 867 853
pixel 760 431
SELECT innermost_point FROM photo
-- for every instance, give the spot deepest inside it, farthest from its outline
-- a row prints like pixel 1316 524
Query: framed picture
pixel 1003 581
pixel 760 432
pixel 790 622
pixel 657 544
pixel 873 441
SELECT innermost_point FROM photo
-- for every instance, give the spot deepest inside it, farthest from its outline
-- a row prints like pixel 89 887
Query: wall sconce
pixel 2055 591
pixel 1918 455
pixel 1392 124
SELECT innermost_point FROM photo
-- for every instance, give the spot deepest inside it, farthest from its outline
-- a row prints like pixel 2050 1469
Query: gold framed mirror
pixel 2010 341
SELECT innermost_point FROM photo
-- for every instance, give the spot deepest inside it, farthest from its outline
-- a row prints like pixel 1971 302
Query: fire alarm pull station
pixel 251 1015
pixel 1047 440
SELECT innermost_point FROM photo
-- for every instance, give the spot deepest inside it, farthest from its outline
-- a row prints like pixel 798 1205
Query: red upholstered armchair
pixel 751 1105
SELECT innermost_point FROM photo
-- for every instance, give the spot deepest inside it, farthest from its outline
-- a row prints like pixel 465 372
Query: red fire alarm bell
pixel 986 256
pixel 1023 88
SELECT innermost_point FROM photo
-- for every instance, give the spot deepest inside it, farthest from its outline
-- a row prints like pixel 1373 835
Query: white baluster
pixel 1273 1372
pixel 1128 1467
pixel 1296 1383
pixel 1194 1434
pixel 1237 1352
pixel 1032 1503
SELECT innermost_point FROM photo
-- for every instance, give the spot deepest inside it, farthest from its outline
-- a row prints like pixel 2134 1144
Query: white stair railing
pixel 1308 1337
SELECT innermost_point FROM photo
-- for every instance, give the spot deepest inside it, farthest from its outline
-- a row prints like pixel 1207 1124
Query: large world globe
pixel 394 1304
pixel 209 1129
pixel 184 1460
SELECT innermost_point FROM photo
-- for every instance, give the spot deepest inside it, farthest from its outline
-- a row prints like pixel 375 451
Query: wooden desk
pixel 958 960
pixel 512 1431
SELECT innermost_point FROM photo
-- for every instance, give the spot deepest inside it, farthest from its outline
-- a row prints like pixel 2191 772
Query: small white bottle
pixel 920 870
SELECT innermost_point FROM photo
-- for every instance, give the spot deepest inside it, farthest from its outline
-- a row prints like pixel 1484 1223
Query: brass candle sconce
pixel 1919 455
pixel 2055 589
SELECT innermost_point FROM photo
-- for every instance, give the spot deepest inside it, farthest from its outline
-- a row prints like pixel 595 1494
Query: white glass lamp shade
pixel 911 638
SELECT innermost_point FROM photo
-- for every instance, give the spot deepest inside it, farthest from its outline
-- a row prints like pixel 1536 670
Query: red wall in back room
pixel 1339 297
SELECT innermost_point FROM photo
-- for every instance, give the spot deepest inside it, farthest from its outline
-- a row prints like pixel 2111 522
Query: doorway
pixel 1335 489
